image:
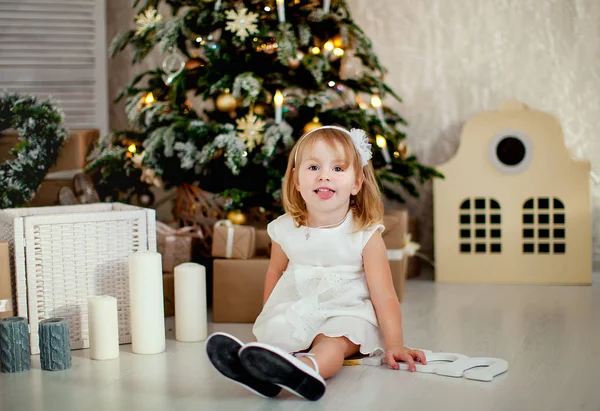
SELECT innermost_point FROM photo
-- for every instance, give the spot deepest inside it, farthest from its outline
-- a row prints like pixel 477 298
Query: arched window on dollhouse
pixel 544 226
pixel 480 226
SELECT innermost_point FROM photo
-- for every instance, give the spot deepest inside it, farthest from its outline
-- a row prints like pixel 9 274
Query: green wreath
pixel 41 136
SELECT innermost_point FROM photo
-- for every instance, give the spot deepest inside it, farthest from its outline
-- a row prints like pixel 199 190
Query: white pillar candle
pixel 326 6
pixel 103 326
pixel 146 303
pixel 278 107
pixel 190 303
pixel 281 11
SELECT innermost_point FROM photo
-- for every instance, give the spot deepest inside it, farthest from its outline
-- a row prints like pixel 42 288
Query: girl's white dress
pixel 322 291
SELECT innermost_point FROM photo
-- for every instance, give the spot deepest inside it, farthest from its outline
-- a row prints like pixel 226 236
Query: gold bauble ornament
pixel 259 109
pixel 312 125
pixel 403 150
pixel 237 217
pixel 226 102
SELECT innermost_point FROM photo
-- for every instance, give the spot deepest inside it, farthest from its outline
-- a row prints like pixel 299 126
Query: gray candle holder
pixel 14 345
pixel 55 345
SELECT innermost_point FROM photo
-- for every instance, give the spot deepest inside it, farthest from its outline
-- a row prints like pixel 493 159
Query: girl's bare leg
pixel 330 353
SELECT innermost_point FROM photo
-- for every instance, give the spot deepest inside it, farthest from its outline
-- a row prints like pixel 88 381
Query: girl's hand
pixel 401 353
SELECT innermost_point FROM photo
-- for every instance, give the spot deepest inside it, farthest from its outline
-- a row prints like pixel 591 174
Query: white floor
pixel 549 335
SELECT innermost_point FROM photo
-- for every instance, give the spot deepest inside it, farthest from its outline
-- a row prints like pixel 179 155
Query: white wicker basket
pixel 63 254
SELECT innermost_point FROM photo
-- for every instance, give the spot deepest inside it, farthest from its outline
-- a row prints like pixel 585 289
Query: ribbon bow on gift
pixel 170 235
pixel 230 234
pixel 409 248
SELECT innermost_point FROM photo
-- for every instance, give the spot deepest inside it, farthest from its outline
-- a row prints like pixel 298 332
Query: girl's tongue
pixel 325 194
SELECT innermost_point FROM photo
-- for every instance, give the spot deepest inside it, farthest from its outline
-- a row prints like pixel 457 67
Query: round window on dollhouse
pixel 510 151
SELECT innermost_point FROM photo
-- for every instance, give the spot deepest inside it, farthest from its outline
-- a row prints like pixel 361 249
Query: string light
pixel 376 101
pixel 149 98
pixel 132 149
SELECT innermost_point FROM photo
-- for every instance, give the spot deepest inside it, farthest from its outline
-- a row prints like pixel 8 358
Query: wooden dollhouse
pixel 514 206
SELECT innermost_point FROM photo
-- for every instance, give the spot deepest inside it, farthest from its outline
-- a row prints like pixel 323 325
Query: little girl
pixel 328 290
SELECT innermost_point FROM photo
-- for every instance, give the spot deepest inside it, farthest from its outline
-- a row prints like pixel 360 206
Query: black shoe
pixel 276 366
pixel 222 350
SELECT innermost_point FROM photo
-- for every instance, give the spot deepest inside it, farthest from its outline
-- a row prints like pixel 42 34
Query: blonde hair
pixel 366 205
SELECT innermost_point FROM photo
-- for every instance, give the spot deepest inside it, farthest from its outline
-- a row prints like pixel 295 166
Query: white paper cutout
pixel 435 361
pixel 460 365
pixel 495 366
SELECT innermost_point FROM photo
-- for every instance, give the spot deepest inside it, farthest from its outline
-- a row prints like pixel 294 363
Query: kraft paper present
pixel 7 301
pixel 238 287
pixel 175 244
pixel 396 226
pixel 233 241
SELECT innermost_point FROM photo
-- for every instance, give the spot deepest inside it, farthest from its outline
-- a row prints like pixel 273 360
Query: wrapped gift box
pixel 6 290
pixel 175 244
pixel 238 287
pixel 233 241
pixel 396 225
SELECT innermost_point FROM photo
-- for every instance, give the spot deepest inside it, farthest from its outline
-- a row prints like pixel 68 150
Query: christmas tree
pixel 263 72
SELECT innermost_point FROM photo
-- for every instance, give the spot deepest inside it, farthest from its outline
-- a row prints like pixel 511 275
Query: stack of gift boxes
pixel 241 259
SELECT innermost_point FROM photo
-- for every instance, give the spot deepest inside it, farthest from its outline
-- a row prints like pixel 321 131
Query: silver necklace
pixel 307 235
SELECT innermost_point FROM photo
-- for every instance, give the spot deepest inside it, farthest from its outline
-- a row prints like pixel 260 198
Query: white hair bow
pixel 361 142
